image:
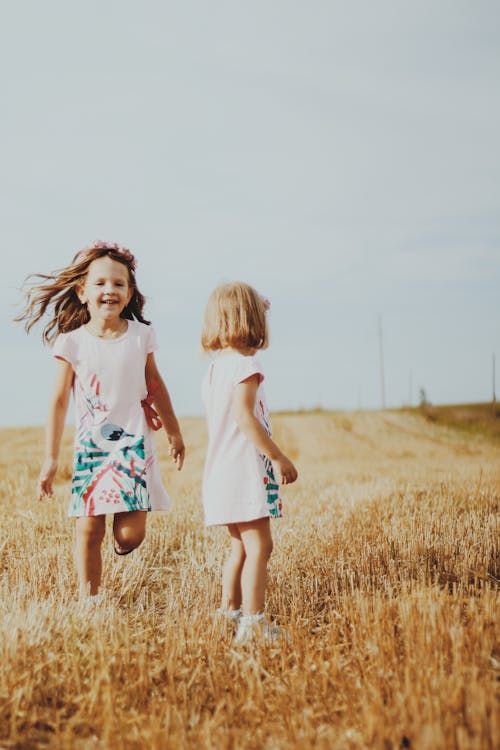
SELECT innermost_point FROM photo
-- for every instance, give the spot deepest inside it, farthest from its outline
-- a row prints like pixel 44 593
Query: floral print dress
pixel 115 464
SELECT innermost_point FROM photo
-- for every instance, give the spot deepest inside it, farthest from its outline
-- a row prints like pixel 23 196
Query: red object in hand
pixel 152 416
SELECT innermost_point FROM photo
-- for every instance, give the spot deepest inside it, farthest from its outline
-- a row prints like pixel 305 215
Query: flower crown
pixel 100 245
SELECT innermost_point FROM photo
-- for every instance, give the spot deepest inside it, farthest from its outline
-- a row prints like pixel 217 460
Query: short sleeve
pixel 63 348
pixel 151 342
pixel 246 367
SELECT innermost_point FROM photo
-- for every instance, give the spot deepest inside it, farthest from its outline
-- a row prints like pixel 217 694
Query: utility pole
pixel 493 363
pixel 381 355
pixel 410 389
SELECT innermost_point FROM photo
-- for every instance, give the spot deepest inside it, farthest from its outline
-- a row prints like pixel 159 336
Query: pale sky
pixel 341 157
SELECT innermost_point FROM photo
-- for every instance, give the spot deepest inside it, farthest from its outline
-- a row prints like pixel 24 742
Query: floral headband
pixel 100 245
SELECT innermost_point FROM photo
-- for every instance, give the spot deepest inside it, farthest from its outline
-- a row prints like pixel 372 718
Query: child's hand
pixel 47 474
pixel 177 449
pixel 287 472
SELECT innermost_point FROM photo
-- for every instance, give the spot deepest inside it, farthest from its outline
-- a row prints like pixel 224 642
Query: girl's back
pixel 240 490
pixel 227 370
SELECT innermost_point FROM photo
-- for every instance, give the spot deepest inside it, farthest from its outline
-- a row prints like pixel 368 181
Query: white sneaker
pixel 231 615
pixel 89 607
pixel 253 628
pixel 91 601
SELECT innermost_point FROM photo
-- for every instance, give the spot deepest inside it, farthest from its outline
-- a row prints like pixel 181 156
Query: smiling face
pixel 106 290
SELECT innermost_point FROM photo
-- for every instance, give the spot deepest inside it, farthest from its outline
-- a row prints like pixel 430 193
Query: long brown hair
pixel 57 294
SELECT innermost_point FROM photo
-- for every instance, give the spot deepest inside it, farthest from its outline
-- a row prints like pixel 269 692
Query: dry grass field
pixel 385 573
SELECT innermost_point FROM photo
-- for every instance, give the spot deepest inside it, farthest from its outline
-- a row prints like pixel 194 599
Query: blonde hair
pixel 58 293
pixel 235 316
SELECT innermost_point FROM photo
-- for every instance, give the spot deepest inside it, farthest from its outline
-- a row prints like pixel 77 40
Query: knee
pixel 268 547
pixel 129 538
pixel 90 536
pixel 237 556
pixel 262 549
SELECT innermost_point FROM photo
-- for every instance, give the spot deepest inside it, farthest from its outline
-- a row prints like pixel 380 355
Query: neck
pixel 107 329
pixel 248 351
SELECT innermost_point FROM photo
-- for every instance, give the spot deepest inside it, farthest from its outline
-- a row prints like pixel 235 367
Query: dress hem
pixel 114 512
pixel 246 520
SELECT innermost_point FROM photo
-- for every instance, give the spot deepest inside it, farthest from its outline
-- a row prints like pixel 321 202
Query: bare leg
pixel 258 544
pixel 231 572
pixel 129 529
pixel 89 535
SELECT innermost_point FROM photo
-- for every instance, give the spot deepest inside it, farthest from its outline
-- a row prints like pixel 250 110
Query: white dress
pixel 238 481
pixel 115 465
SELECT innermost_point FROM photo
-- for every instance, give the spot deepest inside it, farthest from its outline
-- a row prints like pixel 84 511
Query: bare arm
pixel 58 407
pixel 163 405
pixel 243 410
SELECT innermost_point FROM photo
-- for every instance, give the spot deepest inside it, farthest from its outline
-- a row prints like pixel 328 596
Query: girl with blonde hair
pixel 240 490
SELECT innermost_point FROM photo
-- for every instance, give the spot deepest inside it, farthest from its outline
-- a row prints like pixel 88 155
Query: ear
pixel 80 293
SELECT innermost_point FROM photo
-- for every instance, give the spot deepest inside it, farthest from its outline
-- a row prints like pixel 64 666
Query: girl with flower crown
pixel 244 465
pixel 104 352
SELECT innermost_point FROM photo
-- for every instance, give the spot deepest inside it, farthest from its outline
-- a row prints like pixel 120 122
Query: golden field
pixel 385 574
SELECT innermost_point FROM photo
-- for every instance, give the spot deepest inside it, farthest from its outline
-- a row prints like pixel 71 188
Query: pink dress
pixel 238 481
pixel 115 465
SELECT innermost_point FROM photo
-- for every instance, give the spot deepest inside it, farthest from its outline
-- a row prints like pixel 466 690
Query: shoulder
pixel 75 335
pixel 66 344
pixel 143 334
pixel 68 339
pixel 253 366
pixel 143 330
pixel 242 366
pixel 137 327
